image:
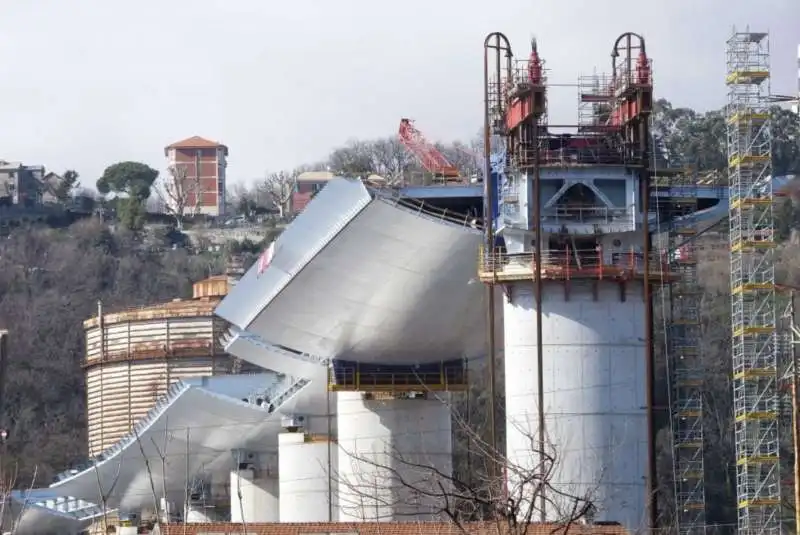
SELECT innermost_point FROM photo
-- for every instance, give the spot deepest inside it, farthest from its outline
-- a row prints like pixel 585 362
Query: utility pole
pixel 6 486
pixel 795 337
pixel 3 360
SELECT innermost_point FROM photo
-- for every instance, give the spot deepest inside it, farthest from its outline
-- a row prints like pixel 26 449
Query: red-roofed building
pixel 205 161
pixel 306 186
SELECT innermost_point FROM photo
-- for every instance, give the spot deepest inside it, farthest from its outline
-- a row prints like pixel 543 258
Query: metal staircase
pixel 164 402
pixel 255 350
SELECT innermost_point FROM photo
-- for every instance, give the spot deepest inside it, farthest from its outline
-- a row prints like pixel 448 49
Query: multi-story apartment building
pixel 20 184
pixel 306 186
pixel 204 163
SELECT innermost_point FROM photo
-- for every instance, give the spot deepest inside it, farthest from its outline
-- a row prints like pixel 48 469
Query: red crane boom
pixel 429 156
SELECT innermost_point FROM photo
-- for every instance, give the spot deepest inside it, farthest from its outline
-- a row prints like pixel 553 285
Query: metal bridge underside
pixel 189 429
pixel 378 279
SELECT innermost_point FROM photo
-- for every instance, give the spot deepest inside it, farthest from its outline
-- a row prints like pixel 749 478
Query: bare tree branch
pixel 279 187
pixel 180 193
pixel 106 494
pixel 149 470
pixel 22 509
pixel 409 483
pixel 8 483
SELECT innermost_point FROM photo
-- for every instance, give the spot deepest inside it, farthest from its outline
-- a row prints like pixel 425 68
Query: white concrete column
pixel 200 508
pixel 199 514
pixel 594 399
pixel 254 497
pixel 306 480
pixel 381 433
pixel 166 510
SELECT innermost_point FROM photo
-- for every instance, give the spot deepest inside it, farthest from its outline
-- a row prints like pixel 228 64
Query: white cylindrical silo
pixel 381 434
pixel 594 375
pixel 254 497
pixel 306 481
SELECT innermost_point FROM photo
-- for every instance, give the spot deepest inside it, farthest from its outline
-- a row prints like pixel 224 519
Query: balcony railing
pixel 567 264
pixel 422 208
pixel 437 377
pixel 624 154
pixel 590 214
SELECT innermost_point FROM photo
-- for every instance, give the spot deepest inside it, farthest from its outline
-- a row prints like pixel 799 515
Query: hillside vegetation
pixel 50 281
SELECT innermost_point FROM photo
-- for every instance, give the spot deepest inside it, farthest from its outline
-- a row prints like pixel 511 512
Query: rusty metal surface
pixel 154 338
pixel 211 287
pixel 198 349
pixel 183 308
pixel 207 294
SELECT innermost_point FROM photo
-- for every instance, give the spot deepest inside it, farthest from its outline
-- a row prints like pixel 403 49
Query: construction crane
pixel 754 346
pixel 428 155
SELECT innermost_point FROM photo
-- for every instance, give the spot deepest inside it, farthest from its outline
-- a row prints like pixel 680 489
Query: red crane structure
pixel 429 156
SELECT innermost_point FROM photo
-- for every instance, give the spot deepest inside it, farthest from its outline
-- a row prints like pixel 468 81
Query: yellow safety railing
pixel 567 264
pixel 352 379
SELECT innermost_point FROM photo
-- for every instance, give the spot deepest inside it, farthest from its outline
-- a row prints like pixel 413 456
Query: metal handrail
pixel 421 207
pixel 228 337
pixel 279 397
pixel 175 389
pixel 567 156
pixel 420 179
pixel 587 213
pixel 351 377
pixel 564 263
pixel 520 76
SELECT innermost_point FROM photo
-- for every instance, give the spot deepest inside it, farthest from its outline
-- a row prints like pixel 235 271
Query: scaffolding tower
pixel 754 331
pixel 787 342
pixel 685 364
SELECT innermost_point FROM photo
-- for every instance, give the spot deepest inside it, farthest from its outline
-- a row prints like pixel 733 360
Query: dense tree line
pixel 51 279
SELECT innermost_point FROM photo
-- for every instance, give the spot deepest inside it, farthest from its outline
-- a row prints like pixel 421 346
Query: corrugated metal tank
pixel 133 356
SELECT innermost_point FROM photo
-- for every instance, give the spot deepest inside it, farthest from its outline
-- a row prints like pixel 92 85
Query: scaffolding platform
pixel 685 366
pixel 754 347
pixel 348 376
pixel 566 265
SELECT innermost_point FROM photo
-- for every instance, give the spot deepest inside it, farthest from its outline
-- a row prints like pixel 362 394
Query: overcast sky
pixel 86 83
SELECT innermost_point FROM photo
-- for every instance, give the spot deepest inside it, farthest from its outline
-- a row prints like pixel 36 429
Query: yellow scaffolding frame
pixel 686 370
pixel 754 344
